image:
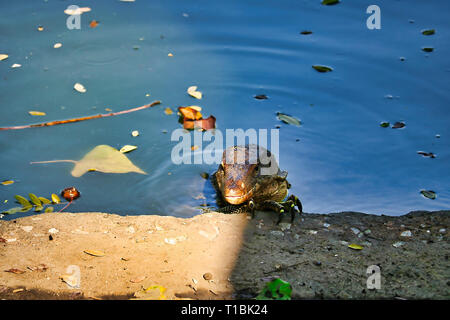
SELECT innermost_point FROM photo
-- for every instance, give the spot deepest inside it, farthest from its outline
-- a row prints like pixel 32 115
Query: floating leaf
pixel 127 148
pixel 385 124
pixel 16 65
pixel 3 57
pixel 40 28
pixel 38 208
pixel 102 158
pixel 428 194
pixel 44 200
pixel 7 182
pixel 93 24
pixel 428 32
pixel 322 68
pixel 204 124
pixel 428 49
pixel 94 253
pixel 34 199
pixel 192 91
pixel 330 2
pixel 79 87
pixel 168 111
pixel 306 32
pixel 57 45
pixel 276 289
pixel 190 113
pixel 398 125
pixel 355 246
pixel 135 133
pixel 37 113
pixel 55 199
pixel 288 119
pixel 426 154
pixel 260 97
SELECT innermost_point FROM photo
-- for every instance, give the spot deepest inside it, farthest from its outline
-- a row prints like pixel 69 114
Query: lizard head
pixel 238 174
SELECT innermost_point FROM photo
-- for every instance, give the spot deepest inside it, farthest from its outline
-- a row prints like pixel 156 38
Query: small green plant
pixel 276 289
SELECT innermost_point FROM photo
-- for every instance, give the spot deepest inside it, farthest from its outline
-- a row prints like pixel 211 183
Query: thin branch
pixel 53 123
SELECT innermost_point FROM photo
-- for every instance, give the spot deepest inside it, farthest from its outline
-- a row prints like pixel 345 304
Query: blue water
pixel 339 159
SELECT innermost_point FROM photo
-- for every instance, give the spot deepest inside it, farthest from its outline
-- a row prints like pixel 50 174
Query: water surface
pixel 339 159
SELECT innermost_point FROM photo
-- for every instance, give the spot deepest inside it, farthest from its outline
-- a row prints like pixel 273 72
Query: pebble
pixel 368 231
pixel 326 225
pixel 398 244
pixel 207 276
pixel 312 231
pixel 443 230
pixel 345 243
pixel 277 233
pixel 285 226
pixel 27 228
pixel 355 230
pixel 130 229
pixel 406 234
pixel 53 230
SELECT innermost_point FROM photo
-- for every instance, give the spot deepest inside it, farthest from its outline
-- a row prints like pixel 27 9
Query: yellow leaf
pixel 55 198
pixel 108 109
pixel 127 148
pixel 168 111
pixel 40 28
pixel 3 57
pixel 7 182
pixel 151 293
pixel 195 108
pixel 94 253
pixel 355 246
pixel 170 55
pixel 37 113
pixel 79 87
pixel 102 158
pixel 135 133
pixel 194 93
pixel 16 65
pixel 57 45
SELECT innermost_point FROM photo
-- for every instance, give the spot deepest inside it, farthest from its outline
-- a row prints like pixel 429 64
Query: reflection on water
pixel 339 159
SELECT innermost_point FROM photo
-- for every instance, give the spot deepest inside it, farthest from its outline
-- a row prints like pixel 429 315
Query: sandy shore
pixel 218 256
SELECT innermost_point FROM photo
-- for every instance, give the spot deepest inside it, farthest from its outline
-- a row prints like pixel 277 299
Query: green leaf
pixel 428 49
pixel 276 289
pixel 38 208
pixel 24 202
pixel 55 199
pixel 49 209
pixel 44 200
pixel 330 2
pixel 288 119
pixel 384 124
pixel 322 68
pixel 34 199
pixel 428 194
pixel 17 209
pixel 428 32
